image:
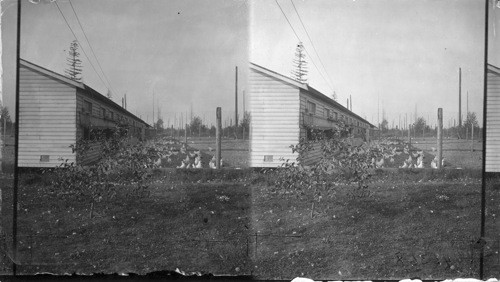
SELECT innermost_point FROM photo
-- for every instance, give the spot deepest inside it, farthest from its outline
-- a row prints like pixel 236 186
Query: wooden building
pixel 283 109
pixel 55 112
pixel 492 143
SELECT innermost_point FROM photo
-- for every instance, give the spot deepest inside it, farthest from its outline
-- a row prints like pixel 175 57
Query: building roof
pixel 85 88
pixel 317 94
pixel 493 69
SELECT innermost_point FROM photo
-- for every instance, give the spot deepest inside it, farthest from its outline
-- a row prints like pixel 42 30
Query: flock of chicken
pixel 192 159
pixel 414 160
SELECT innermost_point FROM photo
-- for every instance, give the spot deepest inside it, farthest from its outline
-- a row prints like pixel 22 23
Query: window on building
pixel 87 107
pixel 111 115
pixel 311 108
pixel 336 116
pixel 103 113
pixel 327 113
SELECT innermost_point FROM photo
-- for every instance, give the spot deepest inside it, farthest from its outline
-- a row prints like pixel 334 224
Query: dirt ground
pixel 414 224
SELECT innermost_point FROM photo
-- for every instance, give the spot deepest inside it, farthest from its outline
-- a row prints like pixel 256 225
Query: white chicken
pixel 379 164
pixel 197 162
pixel 420 162
pixel 405 165
pixel 211 164
pixel 183 165
pixel 434 163
pixel 158 161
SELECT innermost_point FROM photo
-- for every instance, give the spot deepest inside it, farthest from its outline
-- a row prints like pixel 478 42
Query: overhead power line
pixel 304 47
pixel 91 49
pixel 312 44
pixel 76 38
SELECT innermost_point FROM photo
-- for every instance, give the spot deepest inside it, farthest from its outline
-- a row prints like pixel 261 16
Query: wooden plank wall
pixel 274 107
pixel 493 123
pixel 314 154
pixel 46 120
pixel 97 118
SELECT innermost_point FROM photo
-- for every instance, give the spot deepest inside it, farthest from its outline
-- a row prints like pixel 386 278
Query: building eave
pixel 308 89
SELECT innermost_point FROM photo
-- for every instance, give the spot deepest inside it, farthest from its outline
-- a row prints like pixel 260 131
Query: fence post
pixel 440 138
pixel 218 138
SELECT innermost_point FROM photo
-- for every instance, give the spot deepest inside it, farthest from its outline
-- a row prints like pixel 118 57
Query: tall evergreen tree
pixel 299 72
pixel 74 70
pixel 334 96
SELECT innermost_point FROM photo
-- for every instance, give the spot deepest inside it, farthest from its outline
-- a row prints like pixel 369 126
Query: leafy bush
pixel 341 163
pixel 120 164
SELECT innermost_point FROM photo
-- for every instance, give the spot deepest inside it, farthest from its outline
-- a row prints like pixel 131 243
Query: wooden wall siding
pixel 92 155
pixel 46 119
pixel 97 119
pixel 274 107
pixel 493 123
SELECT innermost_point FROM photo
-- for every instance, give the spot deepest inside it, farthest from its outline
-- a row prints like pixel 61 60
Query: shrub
pixel 340 163
pixel 120 164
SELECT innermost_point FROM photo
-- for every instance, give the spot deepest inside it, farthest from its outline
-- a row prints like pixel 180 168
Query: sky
pixel 184 52
pixel 494 33
pixel 391 56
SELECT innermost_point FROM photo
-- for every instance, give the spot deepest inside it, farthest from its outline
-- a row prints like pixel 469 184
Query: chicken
pixel 212 163
pixel 379 164
pixel 434 163
pixel 197 163
pixel 183 165
pixel 410 159
pixel 405 165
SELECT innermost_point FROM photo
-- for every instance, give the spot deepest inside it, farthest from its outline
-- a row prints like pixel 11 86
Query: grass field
pixel 415 223
pixel 180 224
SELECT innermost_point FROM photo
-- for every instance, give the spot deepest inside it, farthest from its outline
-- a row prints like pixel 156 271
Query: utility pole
pixel 236 99
pixel 154 108
pixel 218 140
pixel 350 101
pixel 460 97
